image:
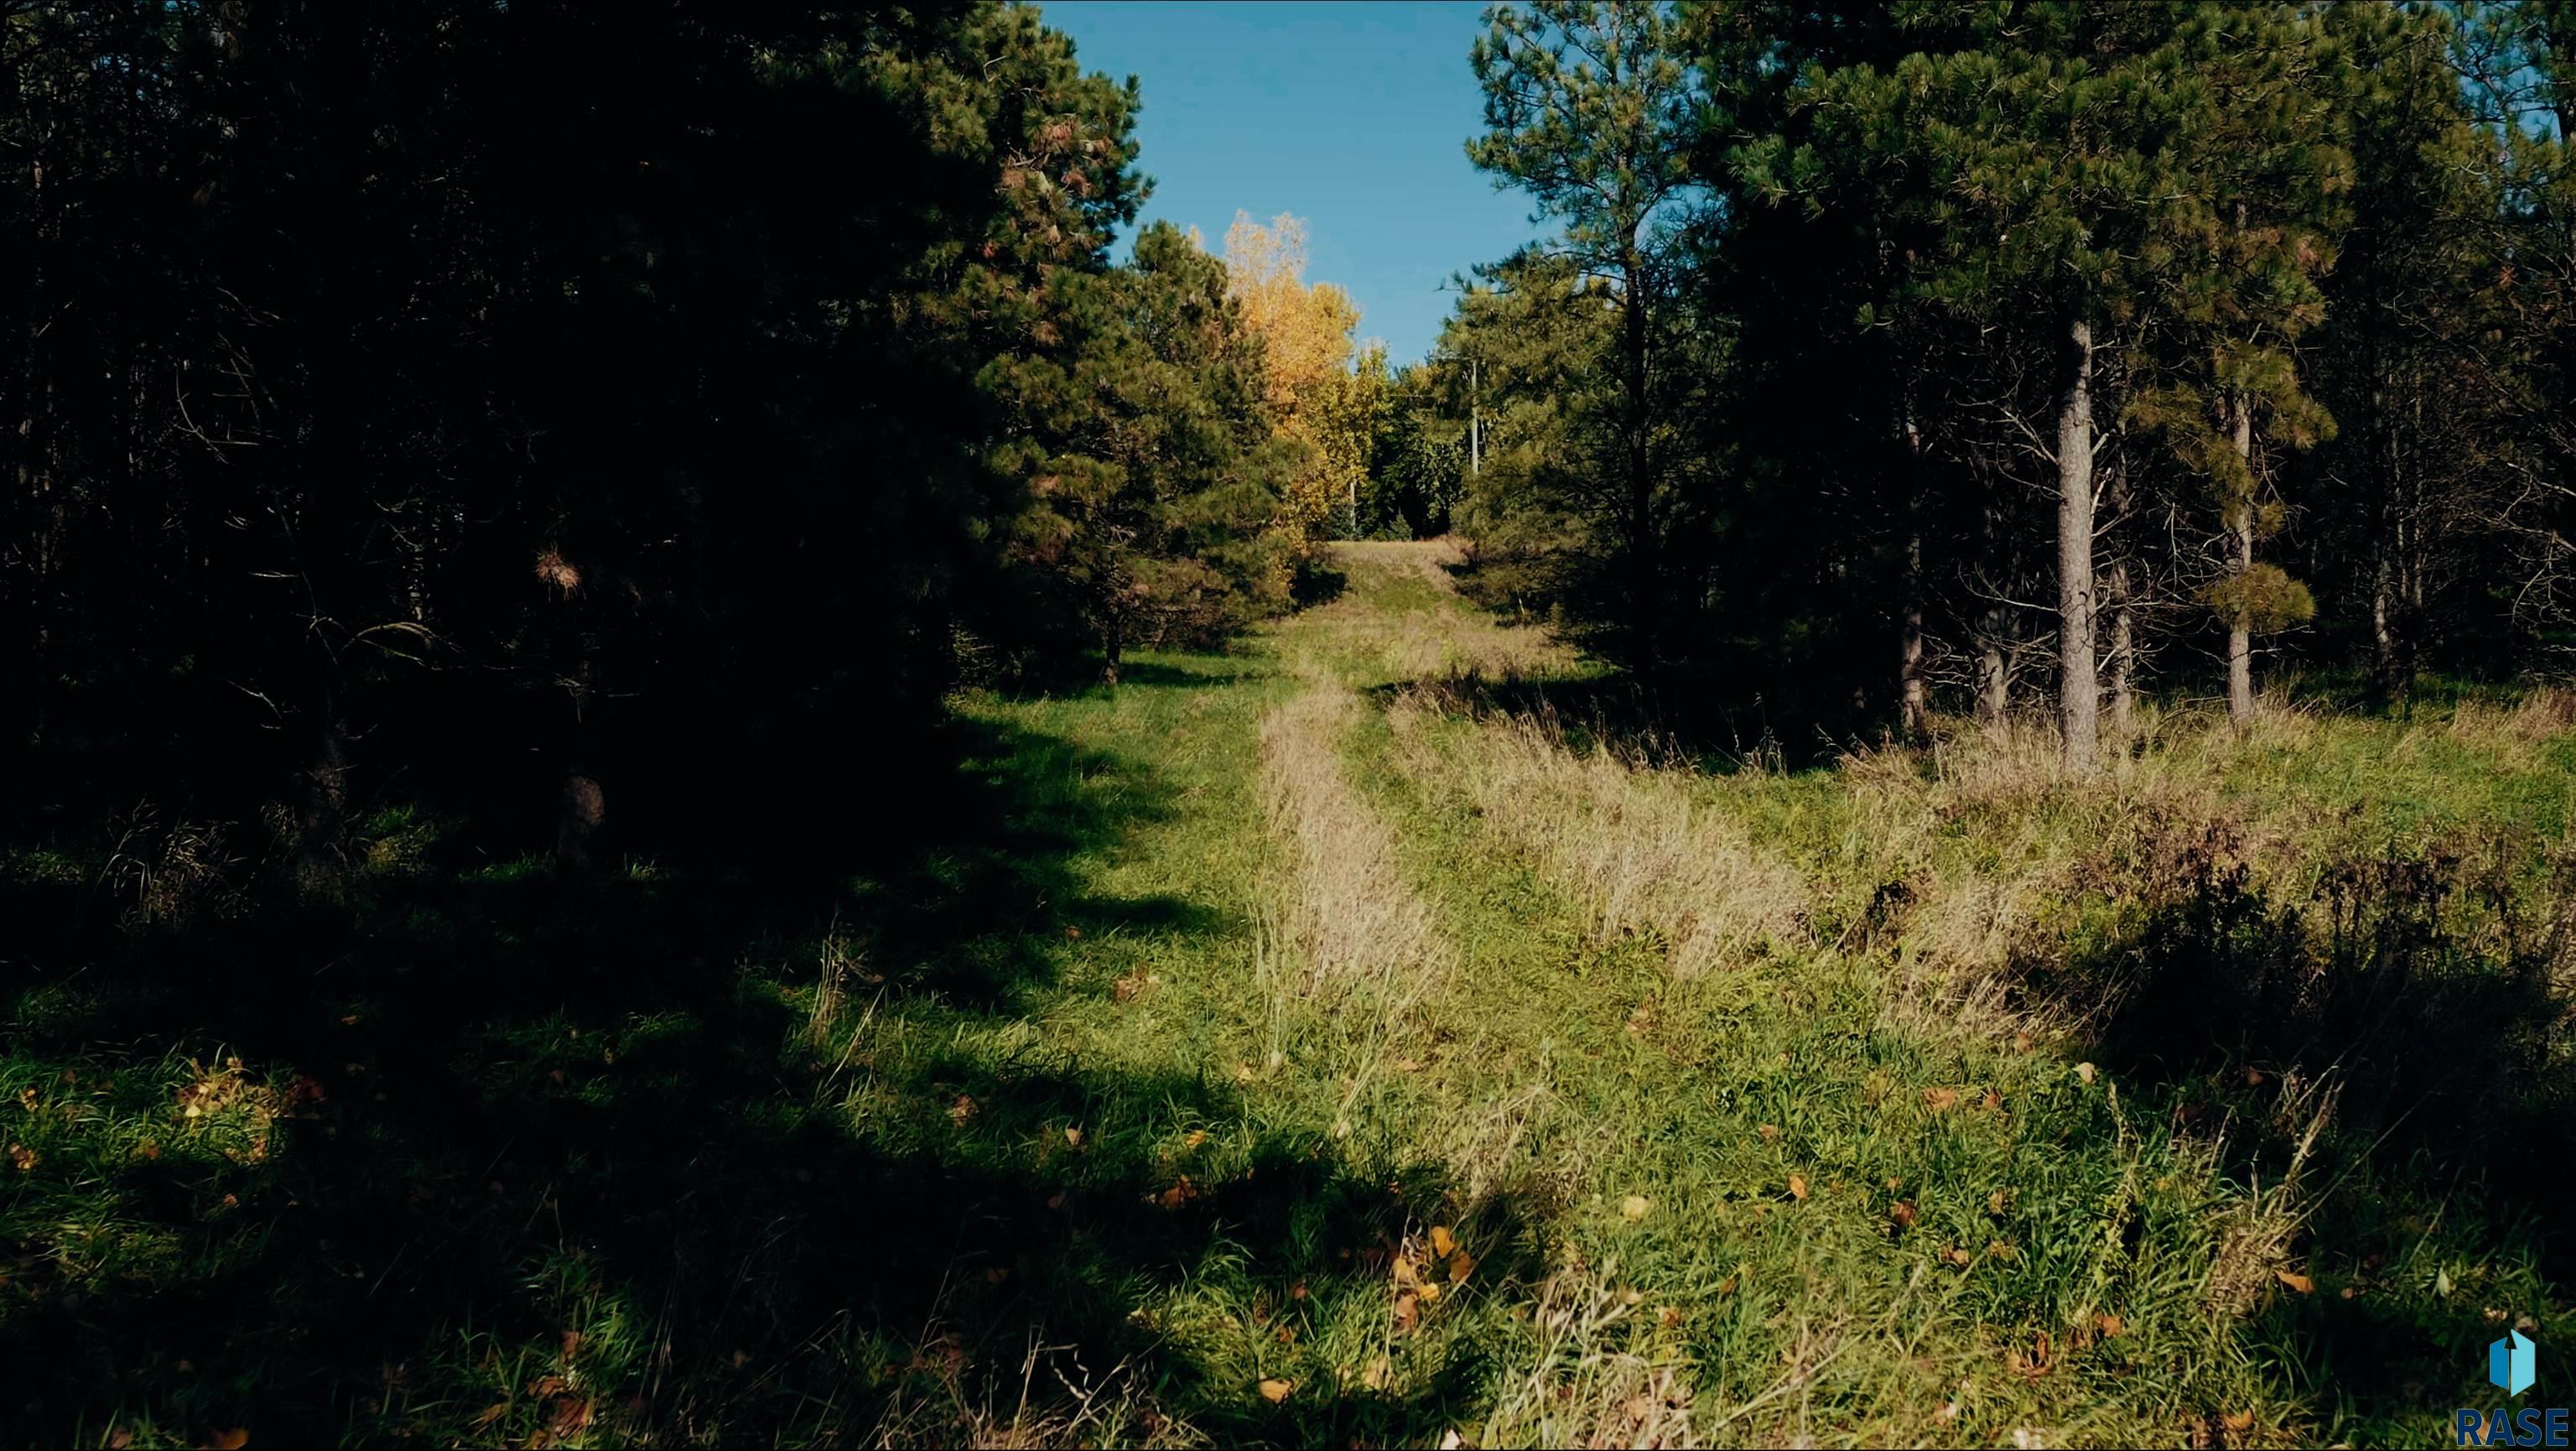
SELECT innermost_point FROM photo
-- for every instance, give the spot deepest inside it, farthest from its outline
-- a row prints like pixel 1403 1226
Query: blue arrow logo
pixel 2509 1363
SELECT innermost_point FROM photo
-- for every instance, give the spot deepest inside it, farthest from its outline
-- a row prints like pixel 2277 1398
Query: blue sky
pixel 1354 116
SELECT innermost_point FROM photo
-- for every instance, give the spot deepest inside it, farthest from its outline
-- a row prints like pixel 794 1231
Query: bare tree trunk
pixel 1647 588
pixel 2124 657
pixel 322 815
pixel 2240 638
pixel 2079 689
pixel 1914 715
pixel 2117 604
pixel 2383 625
pixel 584 808
pixel 1994 670
pixel 1913 707
pixel 582 805
pixel 1113 648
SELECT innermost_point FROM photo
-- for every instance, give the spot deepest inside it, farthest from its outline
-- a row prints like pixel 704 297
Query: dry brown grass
pixel 1605 1374
pixel 1358 932
pixel 2518 730
pixel 1642 855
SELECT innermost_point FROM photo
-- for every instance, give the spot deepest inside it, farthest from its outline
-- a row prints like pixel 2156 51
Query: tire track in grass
pixel 1350 949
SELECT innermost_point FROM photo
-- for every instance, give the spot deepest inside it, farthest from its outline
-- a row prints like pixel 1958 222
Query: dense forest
pixel 1957 357
pixel 668 523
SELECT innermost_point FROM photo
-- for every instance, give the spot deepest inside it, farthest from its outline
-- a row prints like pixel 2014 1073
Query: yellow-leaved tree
pixel 1312 392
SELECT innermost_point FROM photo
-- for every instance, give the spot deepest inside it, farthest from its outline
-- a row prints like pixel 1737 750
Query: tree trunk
pixel 1641 494
pixel 1994 671
pixel 322 815
pixel 2079 689
pixel 2383 626
pixel 1913 706
pixel 2240 639
pixel 583 808
pixel 2121 610
pixel 1113 648
pixel 1914 716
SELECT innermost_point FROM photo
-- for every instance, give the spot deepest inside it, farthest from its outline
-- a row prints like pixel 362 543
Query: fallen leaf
pixel 1460 1266
pixel 1056 1200
pixel 1634 1208
pixel 1441 1241
pixel 1958 1256
pixel 571 1344
pixel 571 1414
pixel 491 1413
pixel 1407 1065
pixel 1903 1213
pixel 2238 1420
pixel 1999 1201
pixel 1193 1138
pixel 23 1159
pixel 996 1274
pixel 1374 1377
pixel 1767 1131
pixel 2300 1283
pixel 1939 1099
pixel 1299 1292
pixel 2109 1324
pixel 1179 1194
pixel 2085 1071
pixel 962 1110
pixel 1993 1102
pixel 1429 1292
pixel 1073 1138
pixel 1452 1441
pixel 1243 1073
pixel 232 1440
pixel 118 1438
pixel 1667 1316
pixel 1798 1186
pixel 1726 1286
pixel 1406 1312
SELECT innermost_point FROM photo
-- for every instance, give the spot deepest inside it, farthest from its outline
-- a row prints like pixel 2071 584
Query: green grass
pixel 996 1117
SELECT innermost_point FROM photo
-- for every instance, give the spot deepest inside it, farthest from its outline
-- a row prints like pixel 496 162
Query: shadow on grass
pixel 572 1157
pixel 1716 734
pixel 2397 1038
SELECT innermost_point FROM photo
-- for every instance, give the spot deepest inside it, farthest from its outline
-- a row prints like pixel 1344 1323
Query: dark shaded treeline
pixel 1972 356
pixel 577 415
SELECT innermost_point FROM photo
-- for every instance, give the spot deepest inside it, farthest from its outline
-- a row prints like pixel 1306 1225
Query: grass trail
pixel 1327 1044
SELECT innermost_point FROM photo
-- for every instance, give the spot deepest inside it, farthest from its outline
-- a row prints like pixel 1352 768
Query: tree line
pixel 583 414
pixel 573 414
pixel 1891 357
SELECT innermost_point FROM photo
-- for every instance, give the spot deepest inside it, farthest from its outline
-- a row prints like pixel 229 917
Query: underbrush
pixel 2268 1031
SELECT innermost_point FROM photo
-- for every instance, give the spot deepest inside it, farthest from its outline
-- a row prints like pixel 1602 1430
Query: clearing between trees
pixel 1348 1041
